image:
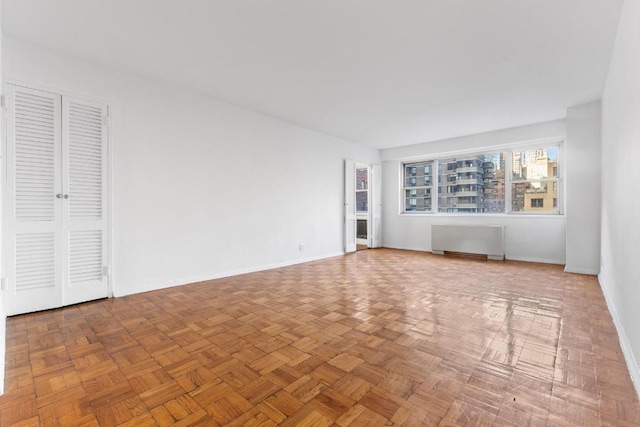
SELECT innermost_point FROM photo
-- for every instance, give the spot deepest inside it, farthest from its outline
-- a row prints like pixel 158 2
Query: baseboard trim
pixel 154 286
pixel 507 257
pixel 3 347
pixel 407 249
pixel 632 363
pixel 539 260
pixel 587 271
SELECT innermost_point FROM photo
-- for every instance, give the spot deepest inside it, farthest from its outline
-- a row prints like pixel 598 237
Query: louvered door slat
pixel 35 156
pixel 85 161
pixel 86 150
pixel 85 260
pixel 34 118
pixel 35 108
pixel 35 261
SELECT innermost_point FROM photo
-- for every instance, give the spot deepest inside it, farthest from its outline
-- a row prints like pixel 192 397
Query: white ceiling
pixel 380 72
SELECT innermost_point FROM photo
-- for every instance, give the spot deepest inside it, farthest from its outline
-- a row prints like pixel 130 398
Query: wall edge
pixel 629 357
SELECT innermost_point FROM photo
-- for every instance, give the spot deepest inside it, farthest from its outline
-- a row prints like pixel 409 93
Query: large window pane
pixel 418 182
pixel 362 185
pixel 362 179
pixel 472 184
pixel 361 201
pixel 418 174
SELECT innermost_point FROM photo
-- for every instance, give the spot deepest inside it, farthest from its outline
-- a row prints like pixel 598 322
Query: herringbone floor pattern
pixel 379 337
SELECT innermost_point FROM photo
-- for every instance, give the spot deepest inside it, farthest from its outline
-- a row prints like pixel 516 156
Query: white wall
pixel 583 176
pixel 529 238
pixel 3 317
pixel 201 188
pixel 620 272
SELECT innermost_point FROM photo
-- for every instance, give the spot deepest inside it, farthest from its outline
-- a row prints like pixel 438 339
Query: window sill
pixel 495 215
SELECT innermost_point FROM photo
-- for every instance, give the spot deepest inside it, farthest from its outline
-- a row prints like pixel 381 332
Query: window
pixel 418 183
pixel 518 180
pixel 471 184
pixel 362 185
pixel 466 184
pixel 537 203
pixel 534 173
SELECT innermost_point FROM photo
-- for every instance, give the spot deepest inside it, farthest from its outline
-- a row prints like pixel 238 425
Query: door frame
pixel 109 129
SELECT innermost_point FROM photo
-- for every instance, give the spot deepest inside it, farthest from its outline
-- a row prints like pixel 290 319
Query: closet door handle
pixel 66 196
pixel 59 196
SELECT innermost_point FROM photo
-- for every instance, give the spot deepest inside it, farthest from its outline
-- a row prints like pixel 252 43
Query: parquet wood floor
pixel 379 337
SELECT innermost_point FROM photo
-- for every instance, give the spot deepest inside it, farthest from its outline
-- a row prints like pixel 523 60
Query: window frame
pixel 556 182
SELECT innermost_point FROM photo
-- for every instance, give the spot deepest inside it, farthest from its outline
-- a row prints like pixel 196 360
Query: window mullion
pixel 508 173
pixel 435 195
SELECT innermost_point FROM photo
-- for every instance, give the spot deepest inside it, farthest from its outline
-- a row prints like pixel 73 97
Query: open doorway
pixel 362 207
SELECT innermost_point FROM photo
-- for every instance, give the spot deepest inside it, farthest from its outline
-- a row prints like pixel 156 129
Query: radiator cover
pixel 473 239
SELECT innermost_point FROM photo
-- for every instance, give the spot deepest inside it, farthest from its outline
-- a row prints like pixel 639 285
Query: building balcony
pixel 467 193
pixel 459 205
pixel 469 181
pixel 467 169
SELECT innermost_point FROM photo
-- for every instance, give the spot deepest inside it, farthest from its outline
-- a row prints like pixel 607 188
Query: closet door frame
pixel 108 129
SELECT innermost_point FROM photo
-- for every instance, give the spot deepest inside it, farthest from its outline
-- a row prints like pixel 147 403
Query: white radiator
pixel 472 239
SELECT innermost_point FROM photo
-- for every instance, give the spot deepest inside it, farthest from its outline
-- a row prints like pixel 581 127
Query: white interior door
pixel 349 206
pixel 84 166
pixel 375 206
pixel 33 212
pixel 55 218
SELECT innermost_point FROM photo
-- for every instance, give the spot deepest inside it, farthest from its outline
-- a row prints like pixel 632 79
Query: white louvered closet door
pixel 33 215
pixel 56 206
pixel 84 181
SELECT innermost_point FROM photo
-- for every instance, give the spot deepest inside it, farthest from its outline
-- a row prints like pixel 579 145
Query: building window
pixel 518 180
pixel 418 183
